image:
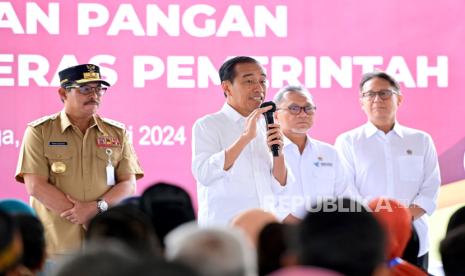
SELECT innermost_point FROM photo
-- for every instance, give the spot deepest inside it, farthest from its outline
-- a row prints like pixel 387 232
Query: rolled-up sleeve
pixel 31 157
pixel 129 164
pixel 276 187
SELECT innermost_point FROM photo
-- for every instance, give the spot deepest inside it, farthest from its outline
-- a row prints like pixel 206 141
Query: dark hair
pixel 228 69
pixel 343 236
pixel 8 230
pixel 32 233
pixel 146 267
pixel 412 248
pixel 127 224
pixel 168 206
pixel 452 250
pixel 273 245
pixel 456 220
pixel 382 75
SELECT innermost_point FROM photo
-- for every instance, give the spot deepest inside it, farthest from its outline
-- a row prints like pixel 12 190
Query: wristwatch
pixel 102 205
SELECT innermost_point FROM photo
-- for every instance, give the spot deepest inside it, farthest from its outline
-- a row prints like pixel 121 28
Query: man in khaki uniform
pixel 74 163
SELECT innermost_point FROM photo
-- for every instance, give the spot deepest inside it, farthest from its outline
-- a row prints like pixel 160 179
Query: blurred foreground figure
pixel 211 250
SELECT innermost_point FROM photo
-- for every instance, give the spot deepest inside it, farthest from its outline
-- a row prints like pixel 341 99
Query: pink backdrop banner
pixel 162 59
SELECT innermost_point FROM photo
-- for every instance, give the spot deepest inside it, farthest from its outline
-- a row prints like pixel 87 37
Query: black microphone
pixel 269 120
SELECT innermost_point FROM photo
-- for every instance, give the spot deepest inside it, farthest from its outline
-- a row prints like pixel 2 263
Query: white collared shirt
pixel 318 174
pixel 248 184
pixel 402 165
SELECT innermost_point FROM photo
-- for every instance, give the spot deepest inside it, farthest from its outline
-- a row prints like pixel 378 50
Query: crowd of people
pixel 157 234
pixel 272 200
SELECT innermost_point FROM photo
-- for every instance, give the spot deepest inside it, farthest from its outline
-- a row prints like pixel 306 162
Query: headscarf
pixel 397 222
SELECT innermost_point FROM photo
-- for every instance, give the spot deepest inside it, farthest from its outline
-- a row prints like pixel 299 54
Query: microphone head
pixel 265 104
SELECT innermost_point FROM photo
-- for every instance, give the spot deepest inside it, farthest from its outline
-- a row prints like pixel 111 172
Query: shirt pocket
pixel 410 168
pixel 115 156
pixel 322 184
pixel 59 163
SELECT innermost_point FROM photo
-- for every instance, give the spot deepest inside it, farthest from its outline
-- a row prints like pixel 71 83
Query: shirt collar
pixel 232 113
pixel 65 122
pixel 371 129
pixel 100 125
pixel 398 130
pixel 287 141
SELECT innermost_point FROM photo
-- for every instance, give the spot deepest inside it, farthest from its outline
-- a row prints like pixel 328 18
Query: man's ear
pixel 62 93
pixel 226 86
pixel 360 100
pixel 275 115
pixel 400 98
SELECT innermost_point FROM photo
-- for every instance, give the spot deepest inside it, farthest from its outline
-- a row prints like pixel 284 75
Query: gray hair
pixel 211 251
pixel 299 89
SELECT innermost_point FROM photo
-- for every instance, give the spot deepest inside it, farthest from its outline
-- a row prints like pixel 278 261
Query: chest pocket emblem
pixel 58 167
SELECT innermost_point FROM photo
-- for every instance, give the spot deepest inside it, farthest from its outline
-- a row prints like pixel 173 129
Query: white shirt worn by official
pixel 402 165
pixel 248 184
pixel 318 174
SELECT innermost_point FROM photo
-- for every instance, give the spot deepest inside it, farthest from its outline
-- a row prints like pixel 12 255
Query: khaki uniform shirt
pixel 76 164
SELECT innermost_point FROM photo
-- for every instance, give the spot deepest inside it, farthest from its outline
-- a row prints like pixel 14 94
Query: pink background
pixel 314 28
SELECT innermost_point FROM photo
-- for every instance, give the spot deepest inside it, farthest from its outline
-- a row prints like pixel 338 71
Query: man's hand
pixel 416 211
pixel 81 212
pixel 250 131
pixel 275 137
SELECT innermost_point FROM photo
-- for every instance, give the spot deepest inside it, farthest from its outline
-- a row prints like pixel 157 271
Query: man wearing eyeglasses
pixel 384 158
pixel 75 163
pixel 315 165
pixel 231 160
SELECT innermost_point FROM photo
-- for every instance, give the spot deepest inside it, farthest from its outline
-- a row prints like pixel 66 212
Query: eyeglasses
pixel 295 109
pixel 251 83
pixel 383 94
pixel 86 90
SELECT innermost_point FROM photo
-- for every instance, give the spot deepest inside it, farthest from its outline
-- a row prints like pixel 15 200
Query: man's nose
pixel 302 113
pixel 94 93
pixel 259 87
pixel 377 98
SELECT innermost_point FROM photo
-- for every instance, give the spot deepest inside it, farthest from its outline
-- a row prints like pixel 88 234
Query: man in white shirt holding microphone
pixel 231 158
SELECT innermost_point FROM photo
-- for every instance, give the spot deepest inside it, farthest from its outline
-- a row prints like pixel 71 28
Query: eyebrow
pixel 373 91
pixel 307 104
pixel 251 74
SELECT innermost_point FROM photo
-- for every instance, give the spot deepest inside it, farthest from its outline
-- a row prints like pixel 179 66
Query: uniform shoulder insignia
pixel 42 120
pixel 114 123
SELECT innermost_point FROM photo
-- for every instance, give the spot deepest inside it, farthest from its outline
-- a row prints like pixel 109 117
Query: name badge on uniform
pixel 57 143
pixel 110 169
pixel 108 142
